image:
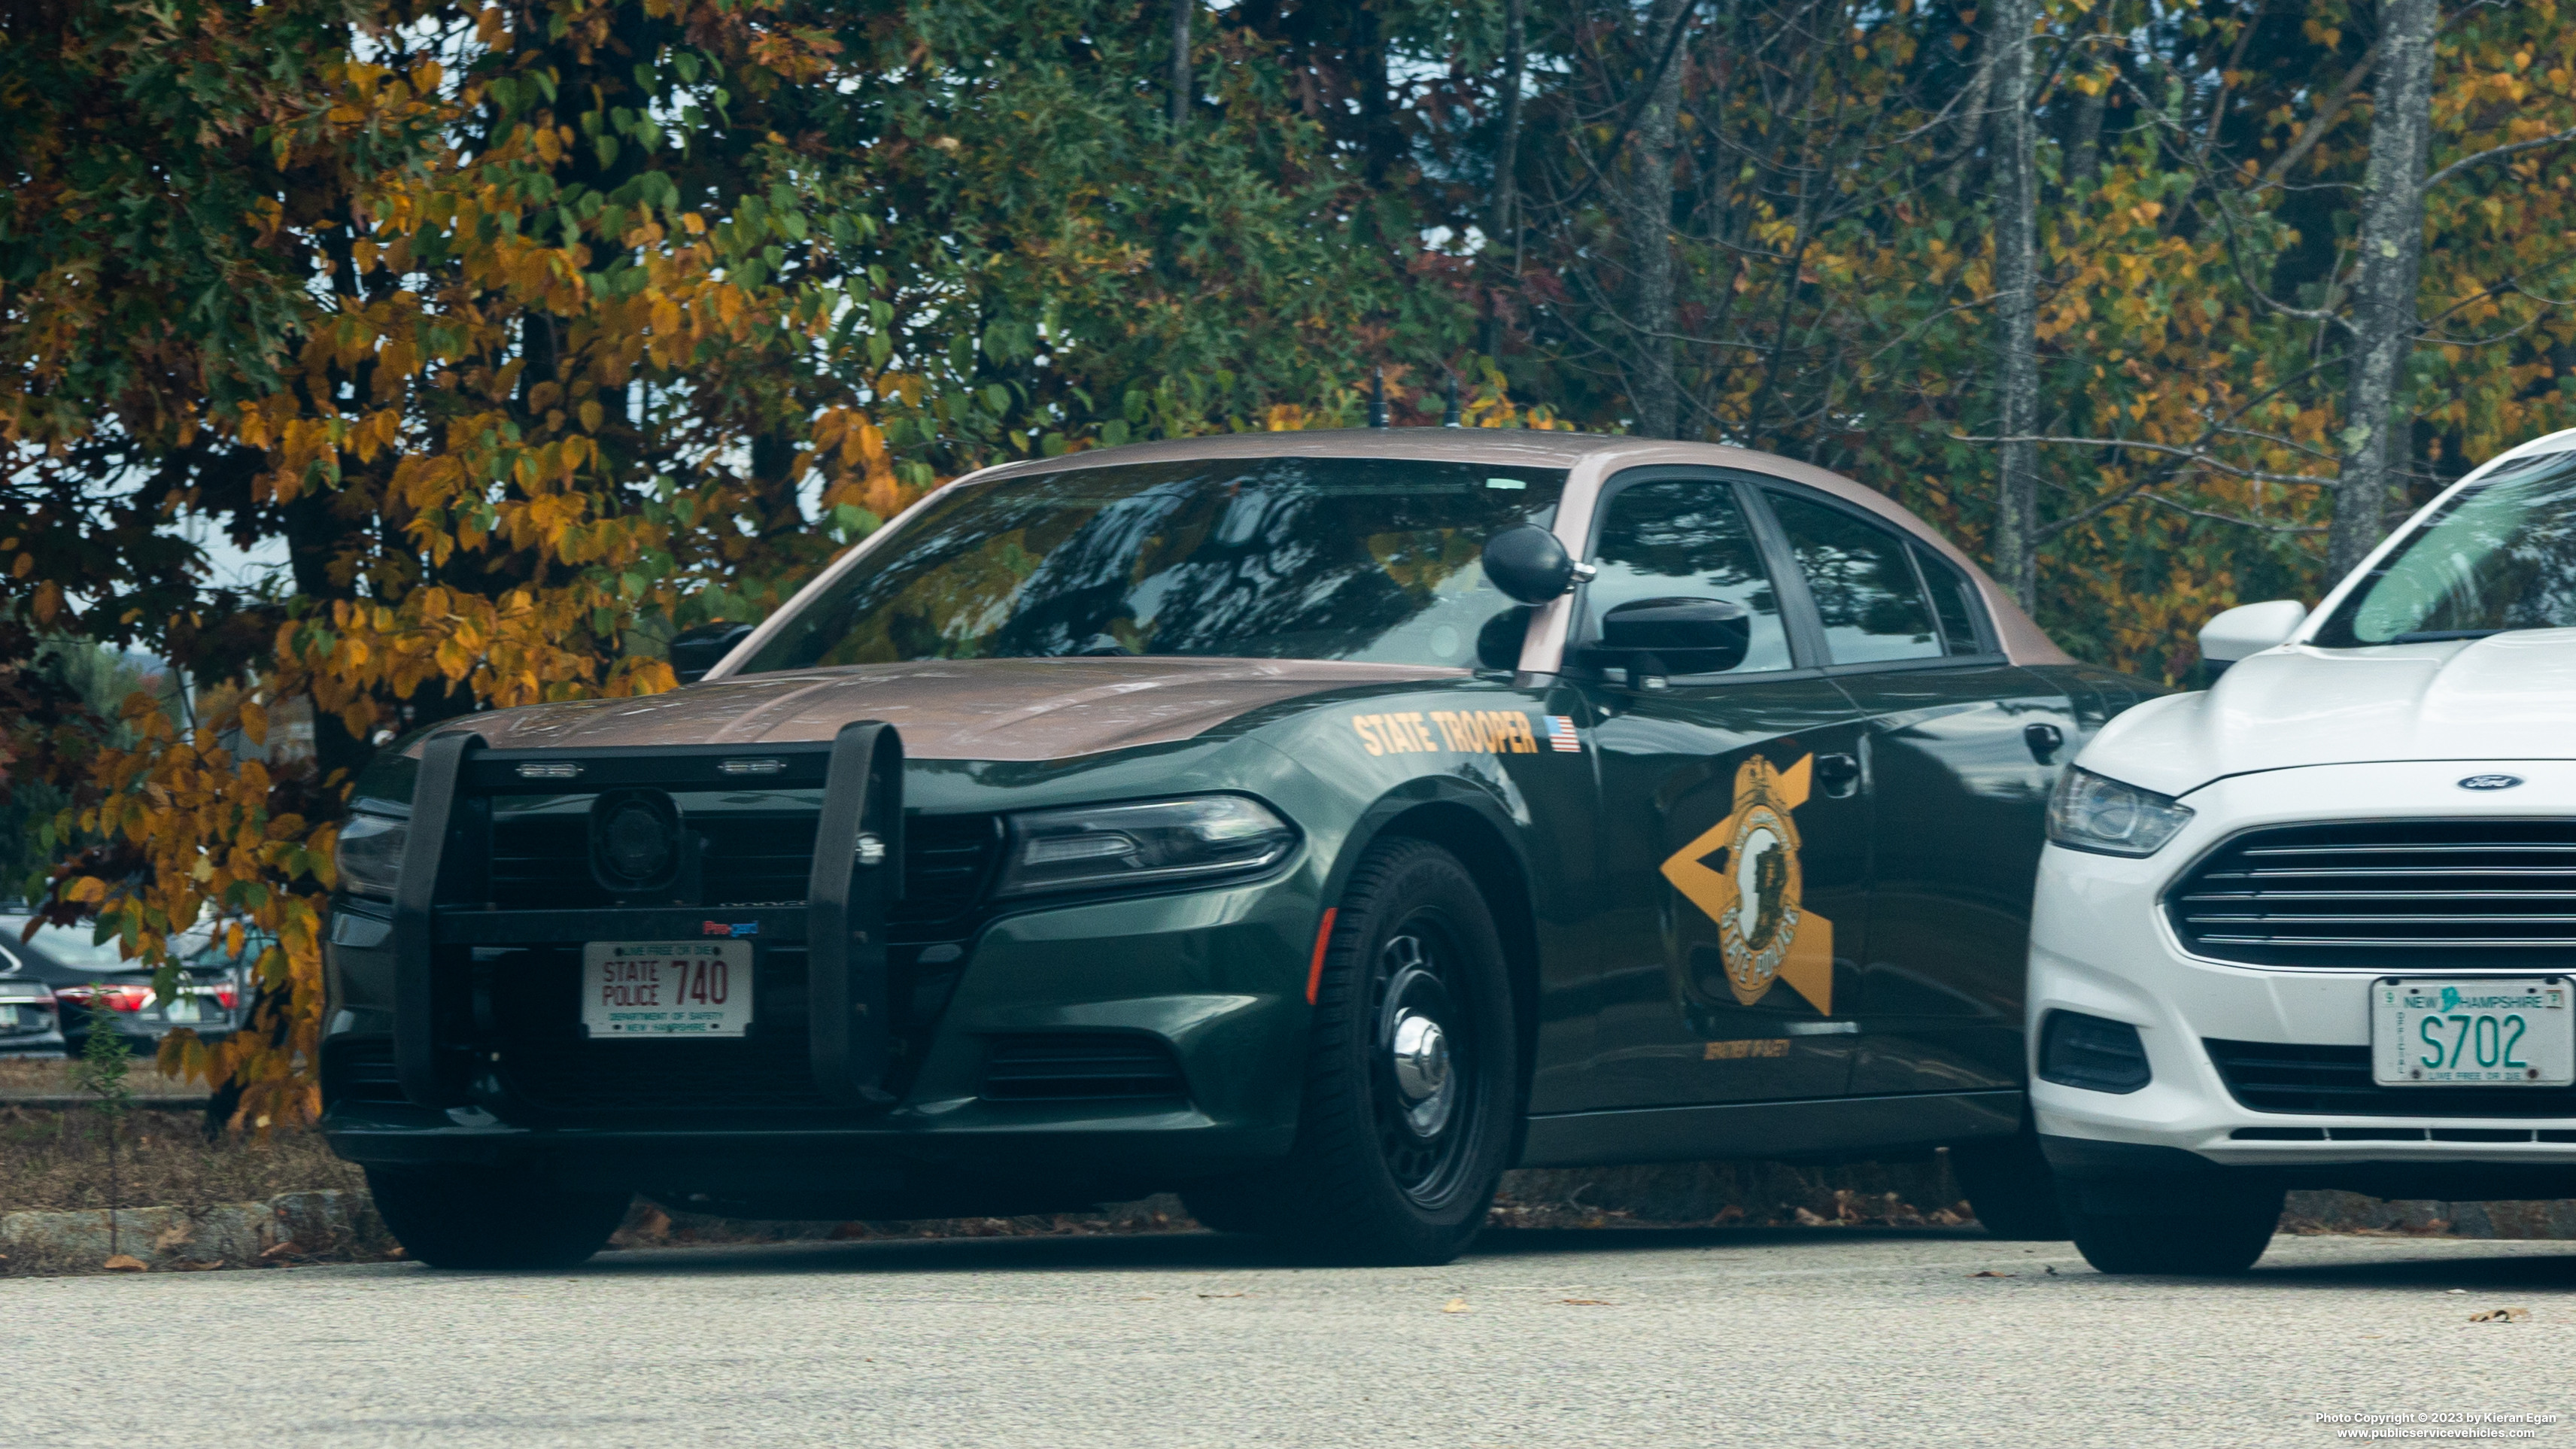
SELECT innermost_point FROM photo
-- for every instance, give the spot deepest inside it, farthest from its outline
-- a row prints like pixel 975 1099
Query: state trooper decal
pixel 1743 872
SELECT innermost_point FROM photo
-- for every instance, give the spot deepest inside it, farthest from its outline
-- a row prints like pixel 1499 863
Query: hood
pixel 968 709
pixel 2506 697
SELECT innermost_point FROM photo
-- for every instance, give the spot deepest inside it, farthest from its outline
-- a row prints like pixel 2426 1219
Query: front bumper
pixel 1215 977
pixel 2101 946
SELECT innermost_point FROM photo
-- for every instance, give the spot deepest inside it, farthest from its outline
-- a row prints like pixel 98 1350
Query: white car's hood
pixel 2506 697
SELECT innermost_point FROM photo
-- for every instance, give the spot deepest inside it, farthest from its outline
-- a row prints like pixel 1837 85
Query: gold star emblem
pixel 1763 928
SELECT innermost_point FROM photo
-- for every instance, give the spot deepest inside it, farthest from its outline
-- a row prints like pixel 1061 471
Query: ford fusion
pixel 1316 825
pixel 2316 926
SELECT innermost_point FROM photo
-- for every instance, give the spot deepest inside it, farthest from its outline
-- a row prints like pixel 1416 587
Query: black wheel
pixel 1412 1077
pixel 476 1218
pixel 2010 1187
pixel 2214 1230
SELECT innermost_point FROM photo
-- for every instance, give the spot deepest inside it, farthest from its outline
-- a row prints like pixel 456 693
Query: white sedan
pixel 2316 926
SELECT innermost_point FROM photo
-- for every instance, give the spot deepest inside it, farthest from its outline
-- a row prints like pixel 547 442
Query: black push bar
pixel 857 878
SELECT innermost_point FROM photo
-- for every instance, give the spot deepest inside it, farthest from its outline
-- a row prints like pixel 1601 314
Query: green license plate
pixel 2514 1031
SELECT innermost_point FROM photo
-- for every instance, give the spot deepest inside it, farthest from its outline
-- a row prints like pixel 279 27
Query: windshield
pixel 1283 558
pixel 2500 556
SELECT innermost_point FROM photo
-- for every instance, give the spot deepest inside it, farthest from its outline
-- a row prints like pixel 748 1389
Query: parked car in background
pixel 93 983
pixel 2316 927
pixel 31 1023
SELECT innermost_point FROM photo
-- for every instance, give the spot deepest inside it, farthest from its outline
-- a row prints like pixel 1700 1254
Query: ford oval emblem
pixel 2490 782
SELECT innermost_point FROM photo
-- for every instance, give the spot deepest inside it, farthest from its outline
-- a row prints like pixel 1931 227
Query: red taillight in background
pixel 228 994
pixel 114 998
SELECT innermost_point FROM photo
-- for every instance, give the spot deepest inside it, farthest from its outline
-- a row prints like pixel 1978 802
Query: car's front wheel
pixel 1412 1076
pixel 2215 1230
pixel 477 1218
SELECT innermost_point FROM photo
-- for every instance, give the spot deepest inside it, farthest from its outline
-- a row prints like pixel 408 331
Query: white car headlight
pixel 370 854
pixel 2089 812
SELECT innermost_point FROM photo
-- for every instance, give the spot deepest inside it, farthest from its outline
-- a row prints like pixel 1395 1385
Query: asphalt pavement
pixel 1539 1339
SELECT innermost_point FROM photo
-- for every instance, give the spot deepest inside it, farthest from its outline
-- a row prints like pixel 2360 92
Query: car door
pixel 1963 746
pixel 1734 837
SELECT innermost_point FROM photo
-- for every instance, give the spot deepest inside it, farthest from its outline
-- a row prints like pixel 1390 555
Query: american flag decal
pixel 1560 733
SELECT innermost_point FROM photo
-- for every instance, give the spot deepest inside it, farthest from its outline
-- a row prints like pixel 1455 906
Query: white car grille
pixel 2395 895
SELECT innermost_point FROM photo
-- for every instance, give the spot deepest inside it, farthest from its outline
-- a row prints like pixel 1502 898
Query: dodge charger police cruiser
pixel 1314 824
pixel 2316 927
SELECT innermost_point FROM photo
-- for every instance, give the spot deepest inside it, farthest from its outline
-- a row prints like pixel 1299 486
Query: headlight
pixel 370 854
pixel 1156 842
pixel 2088 812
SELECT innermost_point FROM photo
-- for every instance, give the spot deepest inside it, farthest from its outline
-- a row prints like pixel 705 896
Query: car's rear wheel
pixel 479 1218
pixel 1412 1077
pixel 2215 1229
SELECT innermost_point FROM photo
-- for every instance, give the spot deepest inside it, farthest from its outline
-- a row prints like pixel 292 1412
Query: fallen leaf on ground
pixel 1587 1302
pixel 1807 1219
pixel 1220 1295
pixel 1454 1305
pixel 279 1251
pixel 124 1263
pixel 1988 1273
pixel 2501 1315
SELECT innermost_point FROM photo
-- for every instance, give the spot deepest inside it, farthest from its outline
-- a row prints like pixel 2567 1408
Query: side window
pixel 1867 596
pixel 1684 538
pixel 1954 599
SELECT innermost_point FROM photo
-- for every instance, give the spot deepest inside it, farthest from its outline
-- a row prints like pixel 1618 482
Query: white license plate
pixel 666 988
pixel 2516 1031
pixel 184 1008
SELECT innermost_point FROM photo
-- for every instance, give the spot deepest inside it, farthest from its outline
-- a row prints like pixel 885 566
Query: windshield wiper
pixel 2445 636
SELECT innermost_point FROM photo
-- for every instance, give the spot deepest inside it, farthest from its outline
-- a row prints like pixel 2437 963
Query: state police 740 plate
pixel 666 988
pixel 2510 1031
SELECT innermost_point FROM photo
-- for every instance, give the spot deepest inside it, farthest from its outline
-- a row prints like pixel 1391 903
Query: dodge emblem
pixel 2490 782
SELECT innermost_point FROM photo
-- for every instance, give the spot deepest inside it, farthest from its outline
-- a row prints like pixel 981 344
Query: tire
pixel 1397 1154
pixel 478 1218
pixel 2215 1230
pixel 2009 1186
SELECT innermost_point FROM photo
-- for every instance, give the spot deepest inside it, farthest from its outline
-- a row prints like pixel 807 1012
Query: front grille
pixel 541 861
pixel 1077 1068
pixel 2335 1081
pixel 2388 895
pixel 361 1071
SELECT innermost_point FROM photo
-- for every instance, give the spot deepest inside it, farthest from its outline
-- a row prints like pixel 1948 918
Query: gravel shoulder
pixel 1541 1338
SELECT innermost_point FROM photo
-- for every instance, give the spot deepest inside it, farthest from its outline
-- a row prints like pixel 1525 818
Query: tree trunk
pixel 1646 206
pixel 2016 539
pixel 2392 261
pixel 1182 11
pixel 1504 229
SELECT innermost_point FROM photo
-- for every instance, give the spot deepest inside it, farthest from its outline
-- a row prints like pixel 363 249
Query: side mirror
pixel 1688 636
pixel 701 647
pixel 1528 564
pixel 2249 629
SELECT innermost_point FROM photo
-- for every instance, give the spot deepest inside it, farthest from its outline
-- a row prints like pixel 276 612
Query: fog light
pixel 2091 1052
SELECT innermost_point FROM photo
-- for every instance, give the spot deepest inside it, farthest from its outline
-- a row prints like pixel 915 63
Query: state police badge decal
pixel 1754 891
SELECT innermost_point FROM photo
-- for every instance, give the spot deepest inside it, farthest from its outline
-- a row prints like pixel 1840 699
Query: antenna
pixel 1377 397
pixel 1449 419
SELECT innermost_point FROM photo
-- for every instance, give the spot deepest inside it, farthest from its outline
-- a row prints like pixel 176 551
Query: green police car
pixel 1314 824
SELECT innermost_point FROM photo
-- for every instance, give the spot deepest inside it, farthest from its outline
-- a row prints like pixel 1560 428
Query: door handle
pixel 2045 740
pixel 1838 774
